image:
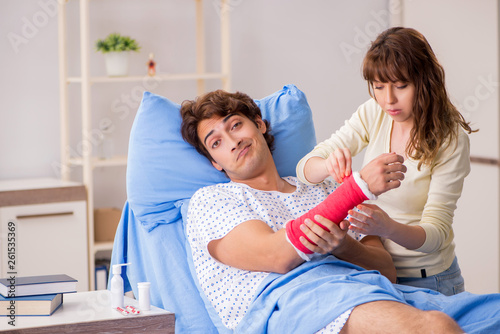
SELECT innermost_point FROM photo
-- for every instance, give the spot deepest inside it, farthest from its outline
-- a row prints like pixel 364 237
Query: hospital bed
pixel 163 172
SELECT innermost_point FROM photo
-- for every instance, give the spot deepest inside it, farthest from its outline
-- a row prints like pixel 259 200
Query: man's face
pixel 236 144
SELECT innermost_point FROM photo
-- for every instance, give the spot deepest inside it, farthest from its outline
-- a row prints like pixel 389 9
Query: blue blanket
pixel 315 293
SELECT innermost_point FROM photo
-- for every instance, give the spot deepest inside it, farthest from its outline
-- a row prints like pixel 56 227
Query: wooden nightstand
pixel 43 229
pixel 90 312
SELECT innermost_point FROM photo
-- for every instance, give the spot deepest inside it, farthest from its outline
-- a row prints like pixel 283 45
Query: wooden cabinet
pixel 43 229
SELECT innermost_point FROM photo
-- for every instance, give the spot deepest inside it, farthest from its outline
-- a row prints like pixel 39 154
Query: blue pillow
pixel 163 169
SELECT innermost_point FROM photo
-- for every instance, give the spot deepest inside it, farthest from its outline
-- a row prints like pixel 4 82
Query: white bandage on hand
pixel 363 186
pixel 304 256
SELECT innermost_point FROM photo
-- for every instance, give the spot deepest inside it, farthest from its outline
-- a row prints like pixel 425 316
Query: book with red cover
pixel 36 285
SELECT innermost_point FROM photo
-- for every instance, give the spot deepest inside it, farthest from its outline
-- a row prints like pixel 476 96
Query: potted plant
pixel 116 49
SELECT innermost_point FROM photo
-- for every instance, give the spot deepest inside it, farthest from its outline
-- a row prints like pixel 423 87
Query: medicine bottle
pixel 144 298
pixel 117 286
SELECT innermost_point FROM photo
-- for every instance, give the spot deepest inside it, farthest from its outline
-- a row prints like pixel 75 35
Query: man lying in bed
pixel 243 231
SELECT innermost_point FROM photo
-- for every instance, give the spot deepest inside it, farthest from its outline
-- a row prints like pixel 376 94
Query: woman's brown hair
pixel 404 55
pixel 218 103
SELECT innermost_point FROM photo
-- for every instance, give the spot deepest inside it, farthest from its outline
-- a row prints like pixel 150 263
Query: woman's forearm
pixel 315 170
pixel 408 236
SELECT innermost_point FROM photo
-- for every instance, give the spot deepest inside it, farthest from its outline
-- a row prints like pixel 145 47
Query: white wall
pixel 464 35
pixel 29 120
pixel 317 45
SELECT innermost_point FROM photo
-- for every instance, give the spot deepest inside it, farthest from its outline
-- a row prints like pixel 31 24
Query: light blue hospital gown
pixel 215 210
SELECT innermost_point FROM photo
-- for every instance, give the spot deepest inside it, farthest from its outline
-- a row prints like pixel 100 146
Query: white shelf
pixel 35 183
pixel 99 162
pixel 159 77
pixel 87 161
pixel 103 245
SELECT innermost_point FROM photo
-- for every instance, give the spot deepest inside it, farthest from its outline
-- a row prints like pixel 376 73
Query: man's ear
pixel 261 125
pixel 216 165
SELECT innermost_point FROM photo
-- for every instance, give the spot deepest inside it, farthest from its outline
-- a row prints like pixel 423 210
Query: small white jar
pixel 144 298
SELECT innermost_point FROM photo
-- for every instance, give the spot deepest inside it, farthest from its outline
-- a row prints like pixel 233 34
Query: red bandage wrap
pixel 335 208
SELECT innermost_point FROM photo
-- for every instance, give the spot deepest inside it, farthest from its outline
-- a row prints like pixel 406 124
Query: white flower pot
pixel 117 63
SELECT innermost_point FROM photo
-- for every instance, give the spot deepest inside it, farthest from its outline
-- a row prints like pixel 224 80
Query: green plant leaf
pixel 115 42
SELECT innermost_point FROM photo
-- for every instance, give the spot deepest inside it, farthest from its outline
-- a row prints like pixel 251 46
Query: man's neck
pixel 270 181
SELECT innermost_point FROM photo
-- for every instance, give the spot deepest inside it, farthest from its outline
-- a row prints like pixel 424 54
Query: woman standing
pixel 410 114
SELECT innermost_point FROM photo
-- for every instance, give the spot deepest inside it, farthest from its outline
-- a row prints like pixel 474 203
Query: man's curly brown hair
pixel 218 103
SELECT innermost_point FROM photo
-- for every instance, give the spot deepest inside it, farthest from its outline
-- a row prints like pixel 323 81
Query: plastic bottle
pixel 144 297
pixel 117 292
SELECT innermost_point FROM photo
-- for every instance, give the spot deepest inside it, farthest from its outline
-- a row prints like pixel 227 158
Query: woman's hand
pixel 339 164
pixel 326 241
pixel 384 173
pixel 373 221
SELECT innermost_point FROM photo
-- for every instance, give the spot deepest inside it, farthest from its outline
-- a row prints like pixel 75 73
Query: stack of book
pixel 34 295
